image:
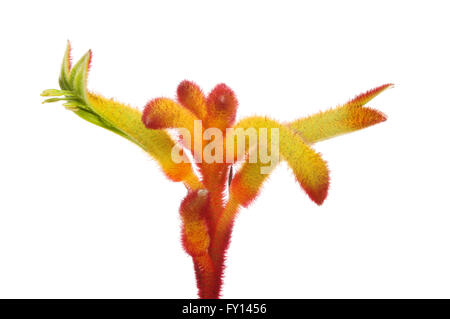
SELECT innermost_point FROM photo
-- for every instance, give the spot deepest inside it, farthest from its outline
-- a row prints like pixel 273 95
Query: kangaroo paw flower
pixel 343 119
pixel 207 214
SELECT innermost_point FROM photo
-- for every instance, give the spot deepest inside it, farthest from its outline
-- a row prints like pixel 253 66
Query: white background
pixel 86 214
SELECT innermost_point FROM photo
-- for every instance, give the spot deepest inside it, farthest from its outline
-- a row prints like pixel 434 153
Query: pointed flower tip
pixel 48 101
pixel 364 98
pixel 68 56
pixel 380 88
pixel 365 116
pixel 50 92
pixel 89 59
pixel 318 195
pixel 383 87
pixel 86 60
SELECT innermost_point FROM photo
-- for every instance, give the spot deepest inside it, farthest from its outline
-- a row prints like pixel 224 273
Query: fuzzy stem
pixel 209 267
pixel 220 242
pixel 224 227
pixel 206 277
pixel 215 179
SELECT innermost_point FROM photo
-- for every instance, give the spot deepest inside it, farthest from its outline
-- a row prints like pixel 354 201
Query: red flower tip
pixel 363 98
pixel 191 97
pixel 148 117
pixel 222 98
pixel 222 105
pixel 318 195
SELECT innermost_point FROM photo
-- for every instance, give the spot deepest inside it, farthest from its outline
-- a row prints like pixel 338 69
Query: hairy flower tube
pixel 214 194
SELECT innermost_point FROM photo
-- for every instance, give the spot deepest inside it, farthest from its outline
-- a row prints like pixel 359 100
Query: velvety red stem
pixel 220 241
pixel 206 277
pixel 209 272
